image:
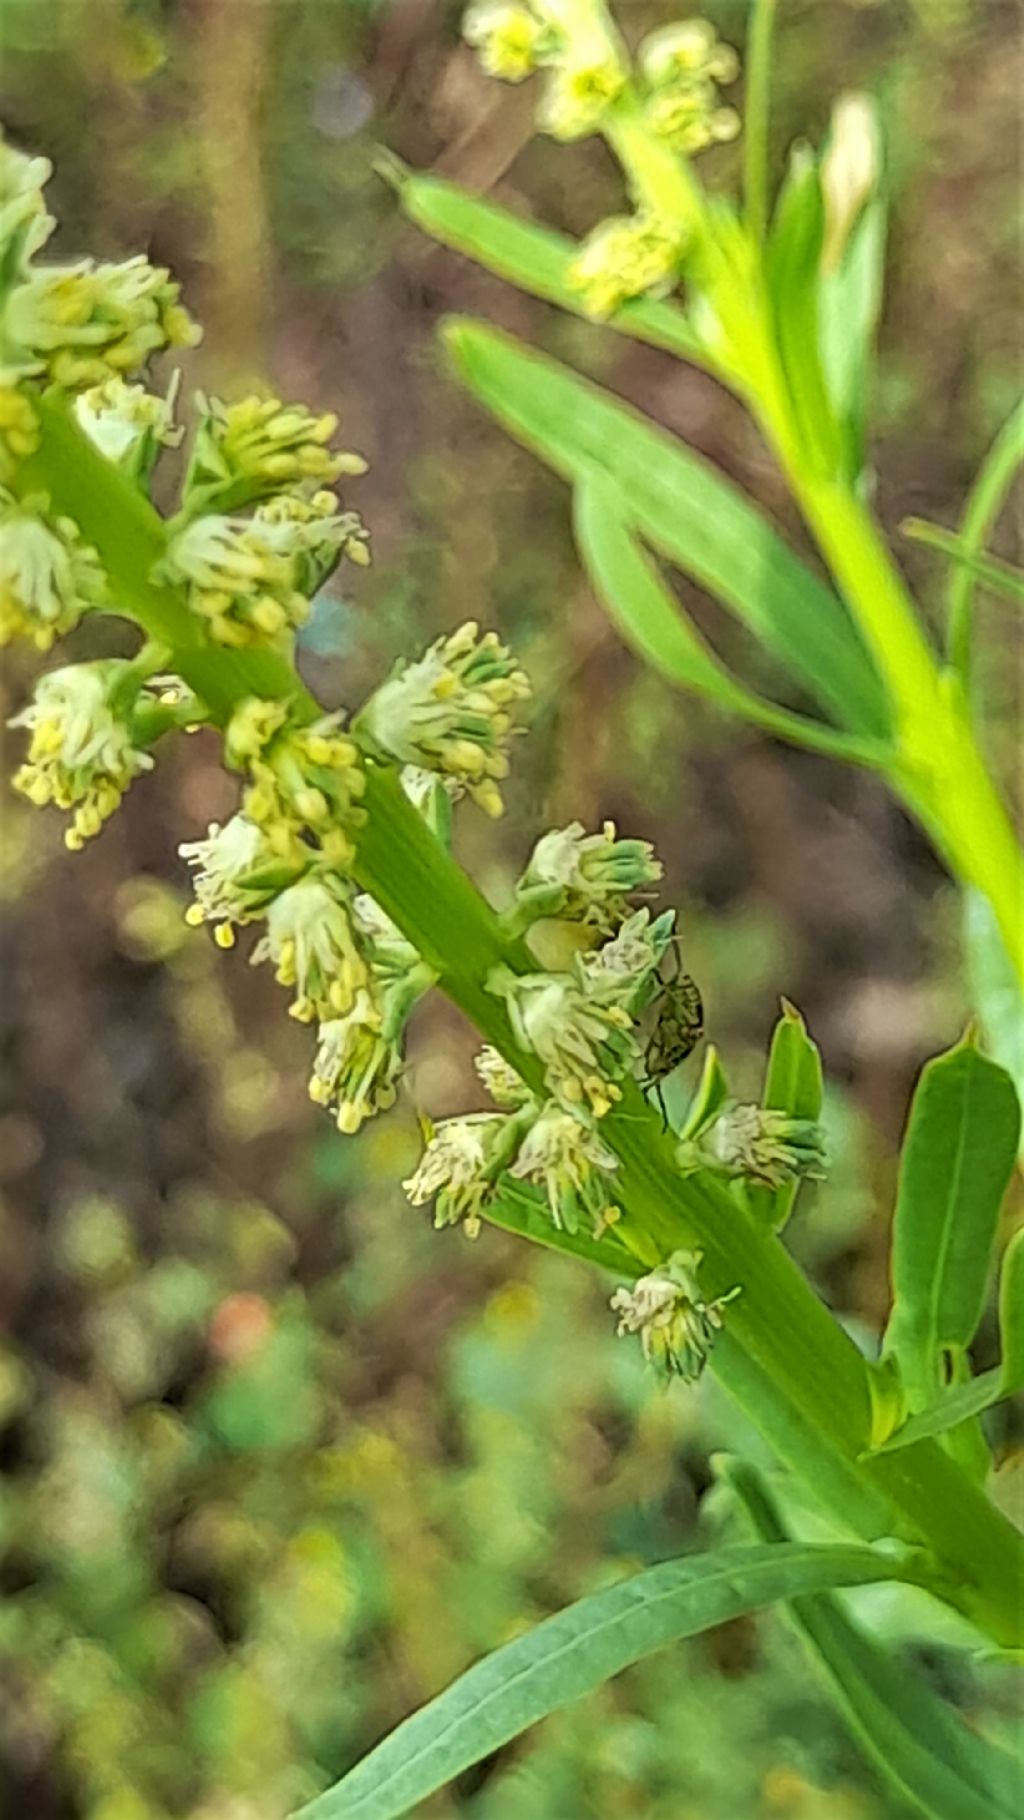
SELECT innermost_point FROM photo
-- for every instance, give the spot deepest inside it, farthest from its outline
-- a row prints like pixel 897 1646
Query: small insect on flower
pixel 676 1030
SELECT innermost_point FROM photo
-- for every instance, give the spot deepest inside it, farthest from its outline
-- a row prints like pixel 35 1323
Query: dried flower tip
pixel 504 1085
pixel 128 424
pixel 80 325
pixel 760 1144
pixel 356 1066
pixel 19 430
pixel 458 1167
pixel 236 874
pixel 314 948
pixel 48 577
pixel 565 1157
pixel 593 873
pixel 677 1327
pixel 82 755
pixel 451 711
pixel 509 39
pixel 626 256
pixel 584 1046
pixel 260 446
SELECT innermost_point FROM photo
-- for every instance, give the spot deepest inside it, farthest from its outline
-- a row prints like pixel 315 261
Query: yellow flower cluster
pixel 48 577
pixel 451 712
pixel 572 40
pixel 677 1327
pixel 82 755
pixel 626 256
pixel 683 66
pixel 305 782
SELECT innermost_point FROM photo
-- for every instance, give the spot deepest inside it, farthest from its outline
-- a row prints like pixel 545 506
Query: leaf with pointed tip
pixel 1004 1380
pixel 638 602
pixel 958 1156
pixel 685 511
pixel 793 1084
pixel 535 258
pixel 572 1653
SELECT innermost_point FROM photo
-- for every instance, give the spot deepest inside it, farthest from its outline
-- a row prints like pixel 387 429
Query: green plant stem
pixel 783 1357
pixel 940 772
pixel 984 503
pixel 756 111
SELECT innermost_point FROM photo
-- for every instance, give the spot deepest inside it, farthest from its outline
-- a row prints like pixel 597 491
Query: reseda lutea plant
pixel 338 853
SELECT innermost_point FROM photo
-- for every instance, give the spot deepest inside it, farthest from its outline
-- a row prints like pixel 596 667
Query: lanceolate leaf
pixel 685 511
pixel 1004 1380
pixel 655 624
pixel 958 1156
pixel 535 258
pixel 939 1767
pixel 573 1653
pixel 793 263
pixel 792 1084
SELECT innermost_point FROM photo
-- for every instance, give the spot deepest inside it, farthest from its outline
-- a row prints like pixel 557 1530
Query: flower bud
pixel 260 447
pixel 625 256
pixel 509 38
pixel 82 754
pixel 592 874
pixel 458 1167
pixel 314 948
pixel 565 1157
pixel 451 712
pixel 677 1327
pixel 583 1046
pixel 236 874
pixel 48 577
pixel 759 1144
pixel 77 326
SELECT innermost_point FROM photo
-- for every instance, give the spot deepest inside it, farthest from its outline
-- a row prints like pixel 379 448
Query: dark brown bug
pixel 678 1027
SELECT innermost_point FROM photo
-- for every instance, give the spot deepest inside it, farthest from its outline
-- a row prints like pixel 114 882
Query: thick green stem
pixel 783 1357
pixel 940 773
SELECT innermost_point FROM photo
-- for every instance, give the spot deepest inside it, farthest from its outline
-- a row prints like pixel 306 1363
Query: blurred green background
pixel 278 1460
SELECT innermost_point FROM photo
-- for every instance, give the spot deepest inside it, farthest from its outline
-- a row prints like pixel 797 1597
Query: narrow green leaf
pixel 969 1400
pixel 957 1159
pixel 1001 577
pixel 535 258
pixel 656 625
pixel 922 1748
pixel 793 267
pixel 685 510
pixel 793 1083
pixel 573 1653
